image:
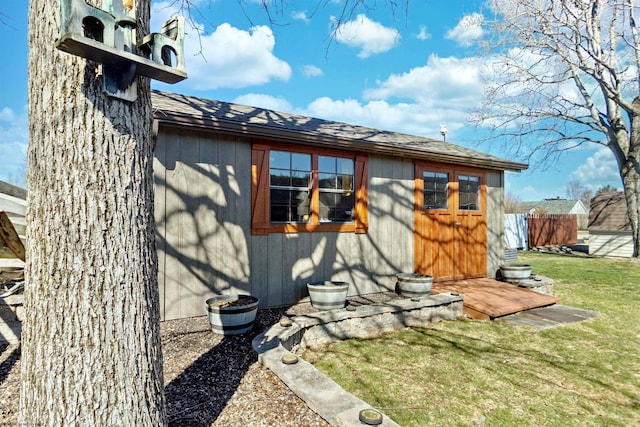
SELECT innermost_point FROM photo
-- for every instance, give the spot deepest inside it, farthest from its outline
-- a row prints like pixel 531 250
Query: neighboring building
pixel 609 226
pixel 13 204
pixel 262 202
pixel 554 206
pixel 558 206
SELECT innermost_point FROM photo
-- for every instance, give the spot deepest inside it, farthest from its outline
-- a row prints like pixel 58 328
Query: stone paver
pixel 549 317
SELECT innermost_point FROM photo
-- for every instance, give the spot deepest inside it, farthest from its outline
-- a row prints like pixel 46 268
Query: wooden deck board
pixel 488 298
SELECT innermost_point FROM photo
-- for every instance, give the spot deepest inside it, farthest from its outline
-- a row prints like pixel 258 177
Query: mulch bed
pixel 210 380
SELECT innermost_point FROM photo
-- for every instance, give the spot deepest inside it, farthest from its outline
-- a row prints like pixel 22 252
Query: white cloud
pixel 598 170
pixel 14 138
pixel 369 36
pixel 445 90
pixel 423 34
pixel 7 115
pixel 408 118
pixel 443 82
pixel 228 57
pixel 311 71
pixel 264 101
pixel 468 30
pixel 301 16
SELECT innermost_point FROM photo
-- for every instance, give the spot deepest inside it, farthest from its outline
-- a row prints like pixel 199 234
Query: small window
pixel 335 182
pixel 469 193
pixel 290 186
pixel 436 190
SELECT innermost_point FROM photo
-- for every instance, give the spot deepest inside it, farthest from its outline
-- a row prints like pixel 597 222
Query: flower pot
pixel 515 272
pixel 328 295
pixel 413 285
pixel 232 314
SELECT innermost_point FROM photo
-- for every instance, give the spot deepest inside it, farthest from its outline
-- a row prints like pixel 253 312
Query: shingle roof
pixel 550 206
pixel 182 110
pixel 609 212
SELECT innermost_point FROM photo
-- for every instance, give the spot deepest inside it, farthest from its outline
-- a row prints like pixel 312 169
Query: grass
pixel 466 372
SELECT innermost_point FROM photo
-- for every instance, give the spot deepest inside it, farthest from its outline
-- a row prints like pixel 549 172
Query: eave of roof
pixel 186 111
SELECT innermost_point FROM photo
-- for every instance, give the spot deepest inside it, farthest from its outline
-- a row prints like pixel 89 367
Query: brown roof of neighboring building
pixel 609 212
pixel 182 110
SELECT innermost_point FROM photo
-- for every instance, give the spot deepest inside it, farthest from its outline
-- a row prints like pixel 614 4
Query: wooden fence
pixel 552 230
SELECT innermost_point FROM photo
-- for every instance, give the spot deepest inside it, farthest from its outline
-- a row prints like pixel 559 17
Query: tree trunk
pixel 631 184
pixel 91 342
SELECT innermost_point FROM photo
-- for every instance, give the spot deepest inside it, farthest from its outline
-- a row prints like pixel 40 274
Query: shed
pixel 609 226
pixel 249 200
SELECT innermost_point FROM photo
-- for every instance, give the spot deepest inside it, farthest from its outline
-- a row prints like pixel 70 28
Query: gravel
pixel 210 380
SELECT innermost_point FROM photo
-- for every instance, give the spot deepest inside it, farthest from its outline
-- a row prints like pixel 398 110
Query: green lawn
pixel 465 373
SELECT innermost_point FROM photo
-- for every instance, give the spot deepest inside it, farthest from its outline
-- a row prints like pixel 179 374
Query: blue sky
pixel 409 73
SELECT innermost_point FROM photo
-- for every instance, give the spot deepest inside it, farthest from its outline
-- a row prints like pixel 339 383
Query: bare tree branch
pixel 567 73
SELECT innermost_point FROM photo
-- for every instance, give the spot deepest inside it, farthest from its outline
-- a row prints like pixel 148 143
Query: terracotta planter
pixel 232 314
pixel 414 285
pixel 328 295
pixel 515 272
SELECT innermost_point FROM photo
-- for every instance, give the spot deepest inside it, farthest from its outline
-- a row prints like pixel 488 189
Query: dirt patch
pixel 210 380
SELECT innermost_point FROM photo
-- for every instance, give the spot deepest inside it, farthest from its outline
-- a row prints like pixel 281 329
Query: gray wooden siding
pixel 202 185
pixel 495 221
pixel 205 247
pixel 611 243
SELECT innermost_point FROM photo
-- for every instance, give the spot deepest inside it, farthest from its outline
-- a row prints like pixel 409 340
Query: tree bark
pixel 630 174
pixel 91 342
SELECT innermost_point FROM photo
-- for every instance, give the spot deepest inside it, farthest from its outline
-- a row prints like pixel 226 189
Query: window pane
pixel 301 162
pixel 336 207
pixel 327 164
pixel 436 190
pixel 280 177
pixel 327 180
pixel 345 166
pixel 289 206
pixel 302 205
pixel 300 179
pixel 279 160
pixel 343 211
pixel 279 205
pixel 345 182
pixel 469 193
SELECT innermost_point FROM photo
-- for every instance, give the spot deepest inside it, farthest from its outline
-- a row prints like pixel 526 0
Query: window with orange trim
pixel 304 190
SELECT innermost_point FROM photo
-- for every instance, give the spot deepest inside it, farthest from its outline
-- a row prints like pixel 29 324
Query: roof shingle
pixel 182 110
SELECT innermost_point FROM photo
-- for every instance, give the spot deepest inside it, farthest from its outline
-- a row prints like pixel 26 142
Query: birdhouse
pixel 108 35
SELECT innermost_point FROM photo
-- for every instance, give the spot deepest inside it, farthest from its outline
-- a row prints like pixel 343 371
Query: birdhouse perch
pixel 108 36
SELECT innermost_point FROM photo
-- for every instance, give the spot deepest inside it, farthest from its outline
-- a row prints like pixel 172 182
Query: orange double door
pixel 450 222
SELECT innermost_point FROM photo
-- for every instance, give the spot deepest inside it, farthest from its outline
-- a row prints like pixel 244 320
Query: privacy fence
pixel 524 231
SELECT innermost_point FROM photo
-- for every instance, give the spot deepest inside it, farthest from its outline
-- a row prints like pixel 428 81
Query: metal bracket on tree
pixel 108 36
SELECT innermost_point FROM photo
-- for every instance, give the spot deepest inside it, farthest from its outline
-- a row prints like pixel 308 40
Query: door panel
pixel 450 223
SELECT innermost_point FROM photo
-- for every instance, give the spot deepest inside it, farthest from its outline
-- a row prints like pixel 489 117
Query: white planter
pixel 328 295
pixel 232 314
pixel 515 272
pixel 413 285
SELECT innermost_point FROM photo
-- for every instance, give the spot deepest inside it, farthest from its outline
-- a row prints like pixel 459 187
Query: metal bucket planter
pixel 515 272
pixel 328 295
pixel 232 314
pixel 414 285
